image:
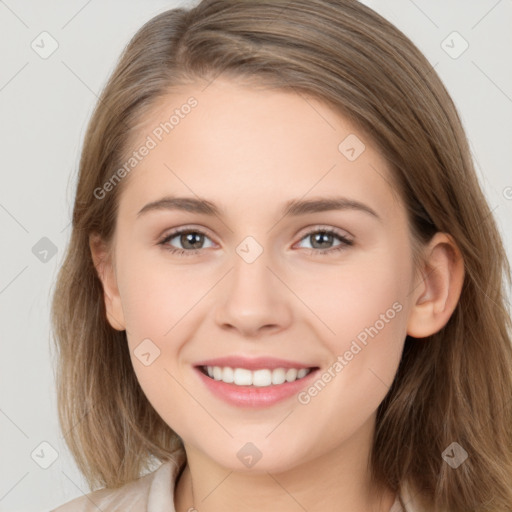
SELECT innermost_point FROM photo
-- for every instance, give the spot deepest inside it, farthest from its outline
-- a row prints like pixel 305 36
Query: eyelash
pixel 181 252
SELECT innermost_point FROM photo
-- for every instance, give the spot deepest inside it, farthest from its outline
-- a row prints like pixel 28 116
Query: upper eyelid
pixel 178 231
pixel 325 227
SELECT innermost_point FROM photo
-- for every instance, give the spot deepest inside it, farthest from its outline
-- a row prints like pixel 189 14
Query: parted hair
pixel 454 386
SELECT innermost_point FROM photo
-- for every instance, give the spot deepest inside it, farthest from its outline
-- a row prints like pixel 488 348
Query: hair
pixel 454 386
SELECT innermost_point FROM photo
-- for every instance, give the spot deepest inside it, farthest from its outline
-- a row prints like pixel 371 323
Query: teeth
pixel 227 375
pixel 241 376
pixel 262 378
pixel 302 373
pixel 259 378
pixel 291 374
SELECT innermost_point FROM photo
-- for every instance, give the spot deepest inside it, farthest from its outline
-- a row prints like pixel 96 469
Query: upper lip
pixel 253 363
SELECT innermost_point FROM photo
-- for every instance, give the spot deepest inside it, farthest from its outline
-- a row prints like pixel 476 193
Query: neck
pixel 313 485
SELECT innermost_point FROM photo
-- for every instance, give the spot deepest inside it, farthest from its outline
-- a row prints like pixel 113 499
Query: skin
pixel 249 151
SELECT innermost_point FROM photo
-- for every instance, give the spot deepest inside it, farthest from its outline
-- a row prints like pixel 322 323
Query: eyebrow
pixel 294 207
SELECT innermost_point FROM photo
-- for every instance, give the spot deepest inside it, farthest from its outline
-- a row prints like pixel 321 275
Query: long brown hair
pixel 454 386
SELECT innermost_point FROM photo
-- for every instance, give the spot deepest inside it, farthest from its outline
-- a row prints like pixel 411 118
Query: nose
pixel 255 298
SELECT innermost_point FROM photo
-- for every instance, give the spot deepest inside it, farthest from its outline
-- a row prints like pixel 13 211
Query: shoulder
pixel 151 492
pixel 409 500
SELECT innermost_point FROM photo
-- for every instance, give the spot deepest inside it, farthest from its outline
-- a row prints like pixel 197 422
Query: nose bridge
pixel 254 297
pixel 251 267
pixel 251 277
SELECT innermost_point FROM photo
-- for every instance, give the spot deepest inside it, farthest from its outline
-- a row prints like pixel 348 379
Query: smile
pixel 259 378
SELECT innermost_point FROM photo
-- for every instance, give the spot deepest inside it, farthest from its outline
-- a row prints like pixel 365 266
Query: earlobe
pixel 437 294
pixel 103 263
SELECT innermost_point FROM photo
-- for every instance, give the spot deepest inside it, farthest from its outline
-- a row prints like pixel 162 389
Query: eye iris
pixel 193 239
pixel 323 238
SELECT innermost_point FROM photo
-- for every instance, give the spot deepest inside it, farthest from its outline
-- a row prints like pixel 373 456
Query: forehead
pixel 238 143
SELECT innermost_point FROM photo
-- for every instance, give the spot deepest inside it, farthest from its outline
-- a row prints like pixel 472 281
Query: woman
pixel 265 374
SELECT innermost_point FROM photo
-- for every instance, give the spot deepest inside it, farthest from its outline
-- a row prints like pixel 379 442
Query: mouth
pixel 254 382
pixel 262 377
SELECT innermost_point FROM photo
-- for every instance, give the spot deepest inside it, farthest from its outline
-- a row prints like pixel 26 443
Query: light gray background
pixel 45 105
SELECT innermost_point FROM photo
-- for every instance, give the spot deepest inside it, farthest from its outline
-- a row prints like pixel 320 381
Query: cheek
pixel 157 295
pixel 363 295
pixel 160 303
pixel 364 307
pixel 158 309
pixel 367 310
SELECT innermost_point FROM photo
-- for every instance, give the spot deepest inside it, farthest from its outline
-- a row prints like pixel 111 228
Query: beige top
pixel 154 492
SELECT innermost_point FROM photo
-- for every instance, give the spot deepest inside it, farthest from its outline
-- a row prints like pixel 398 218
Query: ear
pixel 102 259
pixel 438 292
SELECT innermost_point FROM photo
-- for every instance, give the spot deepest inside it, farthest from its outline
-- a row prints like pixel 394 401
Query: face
pixel 323 289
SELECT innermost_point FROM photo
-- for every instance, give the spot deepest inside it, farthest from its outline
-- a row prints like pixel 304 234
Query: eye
pixel 323 238
pixel 190 239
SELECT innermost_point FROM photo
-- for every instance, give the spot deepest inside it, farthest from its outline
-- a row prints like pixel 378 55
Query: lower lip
pixel 254 396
